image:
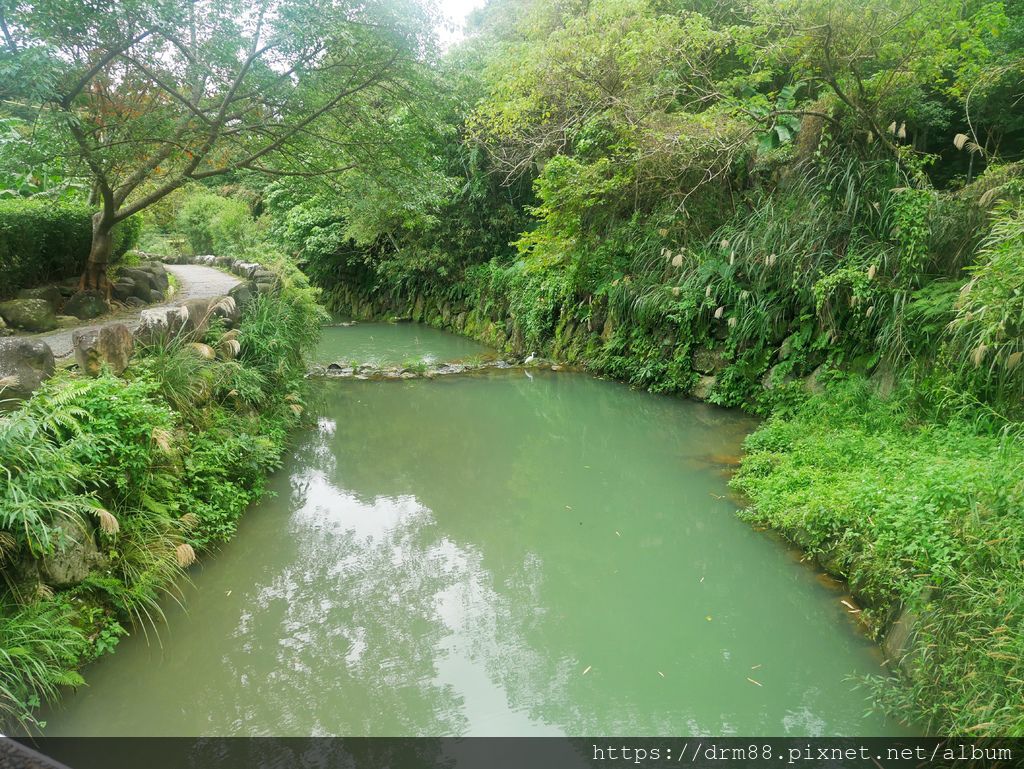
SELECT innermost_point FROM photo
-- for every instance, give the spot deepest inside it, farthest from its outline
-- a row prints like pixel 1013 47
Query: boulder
pixel 123 288
pixel 29 314
pixel 67 321
pixel 195 316
pixel 134 302
pixel 242 294
pixel 707 360
pixel 703 388
pixel 87 305
pixel 137 276
pixel 157 274
pixel 75 560
pixel 111 345
pixel 24 365
pixel 49 294
pixel 225 308
pixel 156 324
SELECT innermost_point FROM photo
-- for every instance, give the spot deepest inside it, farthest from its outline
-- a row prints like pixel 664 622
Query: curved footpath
pixel 194 282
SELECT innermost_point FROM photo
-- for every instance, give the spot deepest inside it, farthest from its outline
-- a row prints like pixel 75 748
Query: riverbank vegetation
pixel 113 484
pixel 811 210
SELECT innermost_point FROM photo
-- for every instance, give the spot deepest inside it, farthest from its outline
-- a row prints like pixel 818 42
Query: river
pixel 507 553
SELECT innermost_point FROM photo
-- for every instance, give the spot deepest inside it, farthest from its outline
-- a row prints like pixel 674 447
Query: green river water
pixel 508 553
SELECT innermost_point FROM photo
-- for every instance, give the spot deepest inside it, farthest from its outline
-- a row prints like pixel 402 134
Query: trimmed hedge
pixel 44 240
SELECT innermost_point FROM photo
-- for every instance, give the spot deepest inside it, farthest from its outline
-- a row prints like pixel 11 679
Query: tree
pixel 154 94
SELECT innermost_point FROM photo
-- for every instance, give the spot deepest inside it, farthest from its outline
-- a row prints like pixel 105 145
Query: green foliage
pixel 924 514
pixel 988 329
pixel 213 224
pixel 43 240
pixel 166 458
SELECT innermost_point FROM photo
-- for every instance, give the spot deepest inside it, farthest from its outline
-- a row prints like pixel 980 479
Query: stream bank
pixel 595 339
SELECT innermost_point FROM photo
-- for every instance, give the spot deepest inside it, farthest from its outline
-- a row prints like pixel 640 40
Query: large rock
pixel 24 365
pixel 225 308
pixel 137 276
pixel 49 294
pixel 242 294
pixel 156 324
pixel 123 288
pixel 75 560
pixel 195 317
pixel 703 388
pixel 87 305
pixel 707 360
pixel 157 274
pixel 29 314
pixel 111 345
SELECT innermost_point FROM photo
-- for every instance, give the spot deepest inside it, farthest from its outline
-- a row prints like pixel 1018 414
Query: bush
pixel 216 225
pixel 44 240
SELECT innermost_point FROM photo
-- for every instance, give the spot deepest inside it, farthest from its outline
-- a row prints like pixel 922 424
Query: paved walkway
pixel 194 282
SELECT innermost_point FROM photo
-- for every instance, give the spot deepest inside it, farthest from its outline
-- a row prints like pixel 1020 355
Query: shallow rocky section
pixel 375 372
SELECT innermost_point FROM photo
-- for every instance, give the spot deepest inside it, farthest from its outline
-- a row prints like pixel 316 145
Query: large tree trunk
pixel 95 275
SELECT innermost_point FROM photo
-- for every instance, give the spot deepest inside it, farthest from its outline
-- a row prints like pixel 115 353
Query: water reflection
pixel 496 555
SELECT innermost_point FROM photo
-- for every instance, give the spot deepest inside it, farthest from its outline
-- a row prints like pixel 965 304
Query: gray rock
pixel 225 308
pixel 194 317
pixel 87 305
pixel 265 288
pixel 242 294
pixel 812 383
pixel 49 294
pixel 157 274
pixel 156 324
pixel 24 365
pixel 73 562
pixel 703 388
pixel 707 360
pixel 111 345
pixel 29 314
pixel 134 302
pixel 136 276
pixel 123 288
pixel 67 321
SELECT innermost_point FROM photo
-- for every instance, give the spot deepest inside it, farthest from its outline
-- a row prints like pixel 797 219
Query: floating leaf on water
pixel 586 670
pixel 756 683
pixel 708 618
pixel 661 674
pixel 755 667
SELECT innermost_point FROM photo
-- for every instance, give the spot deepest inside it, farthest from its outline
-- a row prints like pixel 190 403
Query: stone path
pixel 194 282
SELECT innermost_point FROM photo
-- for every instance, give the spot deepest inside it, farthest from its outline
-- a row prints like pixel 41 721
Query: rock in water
pixel 86 305
pixel 29 314
pixel 112 345
pixel 24 365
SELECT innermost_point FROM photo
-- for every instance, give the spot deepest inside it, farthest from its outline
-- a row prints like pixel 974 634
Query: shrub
pixel 43 240
pixel 213 224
